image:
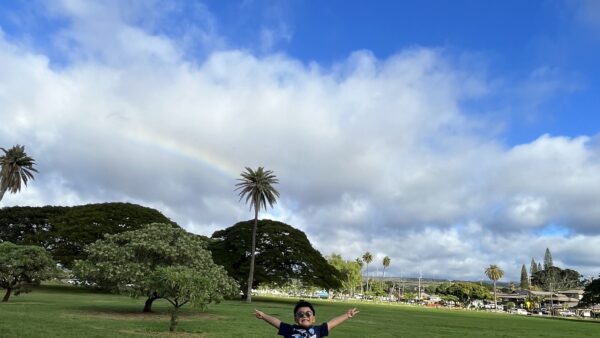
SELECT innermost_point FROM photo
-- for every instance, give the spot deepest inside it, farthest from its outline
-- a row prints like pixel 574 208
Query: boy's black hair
pixel 303 303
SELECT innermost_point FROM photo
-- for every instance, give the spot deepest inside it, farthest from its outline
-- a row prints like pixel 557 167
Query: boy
pixel 304 316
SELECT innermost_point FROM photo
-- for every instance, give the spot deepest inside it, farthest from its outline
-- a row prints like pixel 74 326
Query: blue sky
pixel 443 134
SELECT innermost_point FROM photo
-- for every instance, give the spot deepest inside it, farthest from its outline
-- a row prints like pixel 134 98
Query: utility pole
pixel 420 276
pixel 402 283
pixel 551 301
pixel 529 289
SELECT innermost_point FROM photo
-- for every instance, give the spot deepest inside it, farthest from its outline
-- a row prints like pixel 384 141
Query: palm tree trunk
pixel 495 303
pixel 251 274
pixel 367 277
pixel 2 191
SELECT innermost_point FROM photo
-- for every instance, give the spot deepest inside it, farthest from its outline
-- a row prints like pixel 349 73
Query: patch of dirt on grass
pixel 164 334
pixel 143 316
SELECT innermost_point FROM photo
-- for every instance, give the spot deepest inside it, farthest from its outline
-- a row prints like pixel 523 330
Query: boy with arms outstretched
pixel 304 316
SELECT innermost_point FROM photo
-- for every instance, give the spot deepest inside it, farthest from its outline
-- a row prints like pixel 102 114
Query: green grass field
pixel 57 311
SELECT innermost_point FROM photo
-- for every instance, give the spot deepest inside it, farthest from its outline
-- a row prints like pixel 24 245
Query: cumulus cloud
pixel 372 154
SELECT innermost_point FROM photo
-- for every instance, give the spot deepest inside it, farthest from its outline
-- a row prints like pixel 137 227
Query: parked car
pixel 567 313
pixel 538 312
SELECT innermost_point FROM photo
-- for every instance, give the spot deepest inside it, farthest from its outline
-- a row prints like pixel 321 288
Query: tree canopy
pixel 555 278
pixel 591 294
pixel 22 266
pixel 464 291
pixel 283 253
pixel 180 285
pixel 533 268
pixel 349 270
pixel 64 231
pixel 524 278
pixel 126 262
pixel 548 263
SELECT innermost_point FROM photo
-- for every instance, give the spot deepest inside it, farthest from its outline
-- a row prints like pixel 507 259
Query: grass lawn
pixel 63 311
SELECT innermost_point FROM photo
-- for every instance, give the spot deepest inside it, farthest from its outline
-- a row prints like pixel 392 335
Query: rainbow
pixel 148 137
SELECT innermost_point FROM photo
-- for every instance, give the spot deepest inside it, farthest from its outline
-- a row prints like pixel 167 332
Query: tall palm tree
pixel 367 258
pixel 360 265
pixel 257 187
pixel 16 167
pixel 494 273
pixel 386 263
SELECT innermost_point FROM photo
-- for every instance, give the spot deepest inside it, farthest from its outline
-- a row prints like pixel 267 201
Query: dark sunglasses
pixel 306 314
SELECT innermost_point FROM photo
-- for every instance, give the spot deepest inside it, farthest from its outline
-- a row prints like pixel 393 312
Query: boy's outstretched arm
pixel 269 319
pixel 340 319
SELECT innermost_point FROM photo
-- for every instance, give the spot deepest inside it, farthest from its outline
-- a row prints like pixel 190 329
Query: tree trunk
pixel 251 274
pixel 2 191
pixel 495 302
pixel 7 295
pixel 367 277
pixel 174 319
pixel 149 301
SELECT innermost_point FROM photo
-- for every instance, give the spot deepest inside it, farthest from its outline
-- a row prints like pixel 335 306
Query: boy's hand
pixel 352 312
pixel 259 314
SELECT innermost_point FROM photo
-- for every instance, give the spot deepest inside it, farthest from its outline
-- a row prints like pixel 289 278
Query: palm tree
pixel 494 273
pixel 367 258
pixel 16 167
pixel 386 263
pixel 360 265
pixel 257 187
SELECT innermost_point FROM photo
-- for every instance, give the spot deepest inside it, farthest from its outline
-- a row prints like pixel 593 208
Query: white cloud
pixel 371 154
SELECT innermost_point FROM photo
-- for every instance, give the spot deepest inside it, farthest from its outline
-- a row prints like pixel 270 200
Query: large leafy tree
pixel 126 262
pixel 349 273
pixel 367 258
pixel 591 294
pixel 464 291
pixel 180 285
pixel 283 253
pixel 64 231
pixel 15 168
pixel 256 186
pixel 494 273
pixel 22 266
pixel 555 278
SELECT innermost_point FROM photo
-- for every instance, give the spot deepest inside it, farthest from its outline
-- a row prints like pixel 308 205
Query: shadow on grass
pixel 578 320
pixel 66 288
pixel 135 313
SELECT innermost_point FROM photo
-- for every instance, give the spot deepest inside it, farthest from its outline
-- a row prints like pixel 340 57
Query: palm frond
pixel 15 168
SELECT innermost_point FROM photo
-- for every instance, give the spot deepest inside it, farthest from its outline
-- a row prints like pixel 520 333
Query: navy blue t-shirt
pixel 294 331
